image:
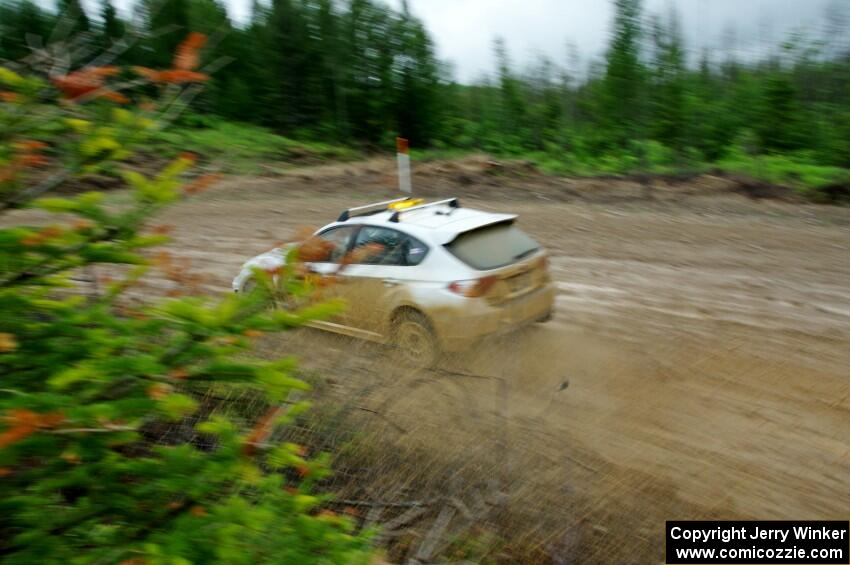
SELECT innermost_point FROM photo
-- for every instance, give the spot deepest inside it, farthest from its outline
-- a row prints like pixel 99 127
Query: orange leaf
pixel 101 72
pixel 31 160
pixel 179 76
pixel 31 240
pixel 162 259
pixel 7 342
pixel 31 145
pixel 15 434
pixel 315 249
pixel 172 76
pixel 187 57
pixel 159 391
pixel 87 82
pixel 115 97
pixel 261 431
pixel 26 422
pixel 9 97
pixel 149 74
pixel 201 183
pixel 77 84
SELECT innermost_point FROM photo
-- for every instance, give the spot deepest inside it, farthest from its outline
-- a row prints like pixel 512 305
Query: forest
pixel 358 73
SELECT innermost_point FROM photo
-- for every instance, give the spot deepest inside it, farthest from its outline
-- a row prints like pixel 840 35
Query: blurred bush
pixel 92 382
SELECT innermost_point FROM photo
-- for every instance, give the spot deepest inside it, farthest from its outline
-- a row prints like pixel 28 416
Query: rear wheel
pixel 414 340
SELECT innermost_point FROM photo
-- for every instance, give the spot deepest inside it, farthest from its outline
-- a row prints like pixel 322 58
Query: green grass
pixel 798 171
pixel 243 148
pixel 791 170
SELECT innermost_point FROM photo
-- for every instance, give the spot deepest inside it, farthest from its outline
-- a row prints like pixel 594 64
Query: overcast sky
pixel 464 30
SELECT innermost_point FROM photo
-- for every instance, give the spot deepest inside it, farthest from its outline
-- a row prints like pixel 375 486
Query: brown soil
pixel 698 365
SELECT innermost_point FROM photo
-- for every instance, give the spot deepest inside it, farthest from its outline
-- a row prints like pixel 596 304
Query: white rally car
pixel 444 276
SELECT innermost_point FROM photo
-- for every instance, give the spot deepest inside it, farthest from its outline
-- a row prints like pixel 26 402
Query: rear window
pixel 493 246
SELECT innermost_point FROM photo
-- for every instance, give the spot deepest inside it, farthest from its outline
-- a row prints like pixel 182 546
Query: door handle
pixel 391 282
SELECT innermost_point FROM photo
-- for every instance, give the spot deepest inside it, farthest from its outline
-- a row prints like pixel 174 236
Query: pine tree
pixel 668 92
pixel 113 28
pixel 511 109
pixel 73 12
pixel 778 124
pixel 167 25
pixel 19 20
pixel 623 103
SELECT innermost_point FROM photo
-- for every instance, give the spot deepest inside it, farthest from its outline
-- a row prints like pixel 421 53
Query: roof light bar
pixel 359 210
pixel 450 202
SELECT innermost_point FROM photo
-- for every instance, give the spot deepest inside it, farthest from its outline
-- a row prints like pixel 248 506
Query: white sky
pixel 464 30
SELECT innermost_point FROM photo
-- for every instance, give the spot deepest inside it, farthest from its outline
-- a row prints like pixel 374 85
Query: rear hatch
pixel 514 260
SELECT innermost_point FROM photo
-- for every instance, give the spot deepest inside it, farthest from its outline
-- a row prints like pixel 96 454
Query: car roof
pixel 441 223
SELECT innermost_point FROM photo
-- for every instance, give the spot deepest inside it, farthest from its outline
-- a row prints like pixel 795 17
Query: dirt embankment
pixel 698 365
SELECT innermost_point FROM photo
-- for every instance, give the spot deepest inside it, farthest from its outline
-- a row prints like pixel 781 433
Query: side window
pixel 339 239
pixel 389 247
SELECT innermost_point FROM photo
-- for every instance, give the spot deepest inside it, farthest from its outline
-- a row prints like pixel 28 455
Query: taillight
pixel 473 288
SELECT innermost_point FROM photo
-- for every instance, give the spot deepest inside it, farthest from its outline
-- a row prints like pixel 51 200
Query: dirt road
pixel 698 365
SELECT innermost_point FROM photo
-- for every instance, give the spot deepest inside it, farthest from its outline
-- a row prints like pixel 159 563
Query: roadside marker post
pixel 402 151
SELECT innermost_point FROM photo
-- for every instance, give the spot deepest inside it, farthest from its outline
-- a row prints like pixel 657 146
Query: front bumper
pixel 461 328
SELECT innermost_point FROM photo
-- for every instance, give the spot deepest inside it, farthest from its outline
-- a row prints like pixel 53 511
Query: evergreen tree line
pixel 359 71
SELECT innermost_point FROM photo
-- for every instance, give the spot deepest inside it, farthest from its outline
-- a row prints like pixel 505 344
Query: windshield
pixel 492 246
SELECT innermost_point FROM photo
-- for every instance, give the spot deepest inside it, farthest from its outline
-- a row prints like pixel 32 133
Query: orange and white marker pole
pixel 402 151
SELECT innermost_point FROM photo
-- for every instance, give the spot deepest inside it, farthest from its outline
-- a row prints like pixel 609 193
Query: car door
pixel 341 239
pixel 378 280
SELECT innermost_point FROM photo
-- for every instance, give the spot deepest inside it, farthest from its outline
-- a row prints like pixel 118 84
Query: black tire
pixel 251 286
pixel 547 317
pixel 414 340
pixel 248 286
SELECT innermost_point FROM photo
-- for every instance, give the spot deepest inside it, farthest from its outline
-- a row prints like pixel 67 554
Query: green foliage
pixel 796 170
pixel 241 147
pixel 93 382
pixel 778 120
pixel 358 73
pixel 622 101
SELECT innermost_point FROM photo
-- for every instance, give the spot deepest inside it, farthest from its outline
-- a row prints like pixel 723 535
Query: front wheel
pixel 252 286
pixel 414 341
